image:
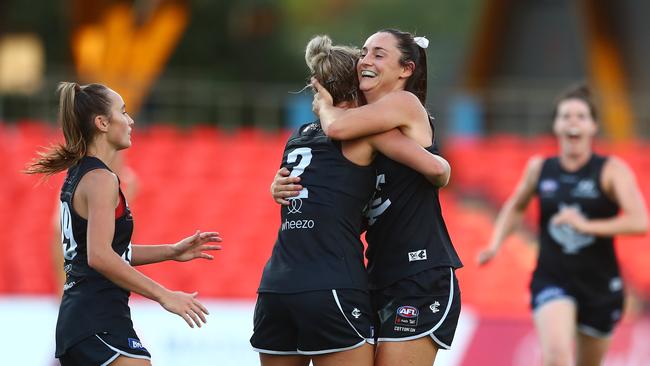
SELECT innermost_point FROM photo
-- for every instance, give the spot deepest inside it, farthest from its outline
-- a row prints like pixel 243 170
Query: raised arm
pixel 513 210
pixel 398 109
pixel 620 184
pixel 406 151
pixel 98 192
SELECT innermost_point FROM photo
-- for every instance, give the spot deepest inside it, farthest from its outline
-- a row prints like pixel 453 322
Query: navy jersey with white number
pixel 318 245
pixel 91 303
pixel 406 231
pixel 565 252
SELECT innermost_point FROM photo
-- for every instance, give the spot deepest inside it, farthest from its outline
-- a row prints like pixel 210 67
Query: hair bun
pixel 318 48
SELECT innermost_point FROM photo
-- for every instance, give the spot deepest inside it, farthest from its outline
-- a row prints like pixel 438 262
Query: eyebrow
pixel 375 49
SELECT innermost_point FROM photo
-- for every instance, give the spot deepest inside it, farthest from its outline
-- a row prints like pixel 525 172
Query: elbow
pixel 96 261
pixel 440 174
pixel 642 226
pixel 334 131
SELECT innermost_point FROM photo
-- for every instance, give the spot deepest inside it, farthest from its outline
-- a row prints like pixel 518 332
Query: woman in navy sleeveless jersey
pixel 411 260
pixel 313 302
pixel 585 200
pixel 94 325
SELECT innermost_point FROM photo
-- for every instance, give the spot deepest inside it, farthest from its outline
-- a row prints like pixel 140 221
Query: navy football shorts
pixel 426 304
pixel 311 322
pixel 103 348
pixel 596 315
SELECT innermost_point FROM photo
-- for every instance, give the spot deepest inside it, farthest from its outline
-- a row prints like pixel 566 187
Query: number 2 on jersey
pixel 305 154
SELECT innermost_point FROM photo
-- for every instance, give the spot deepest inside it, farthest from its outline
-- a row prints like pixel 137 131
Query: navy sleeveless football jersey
pixel 406 232
pixel 318 245
pixel 91 303
pixel 563 250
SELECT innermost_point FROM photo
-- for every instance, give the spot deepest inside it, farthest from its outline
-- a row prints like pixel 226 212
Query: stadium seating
pixel 205 178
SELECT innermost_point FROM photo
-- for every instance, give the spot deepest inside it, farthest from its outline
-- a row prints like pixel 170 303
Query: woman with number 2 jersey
pixel 411 260
pixel 94 325
pixel 313 302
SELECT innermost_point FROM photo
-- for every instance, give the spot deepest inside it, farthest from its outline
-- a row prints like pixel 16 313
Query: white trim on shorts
pixel 279 353
pixel 435 327
pixel 313 353
pixel 592 332
pixel 553 299
pixel 120 353
pixel 108 362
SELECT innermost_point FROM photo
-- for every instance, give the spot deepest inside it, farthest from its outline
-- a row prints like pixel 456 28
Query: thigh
pixel 332 321
pixel 426 305
pixel 416 352
pixel 360 356
pixel 555 321
pixel 596 321
pixel 128 361
pixel 283 360
pixel 590 351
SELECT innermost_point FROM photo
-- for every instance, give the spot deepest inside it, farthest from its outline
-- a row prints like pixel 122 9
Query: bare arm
pixel 513 210
pixel 619 181
pixel 98 190
pixel 406 151
pixel 398 109
pixel 187 249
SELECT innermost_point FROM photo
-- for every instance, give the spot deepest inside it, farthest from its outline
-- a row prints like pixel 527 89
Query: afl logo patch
pixel 407 315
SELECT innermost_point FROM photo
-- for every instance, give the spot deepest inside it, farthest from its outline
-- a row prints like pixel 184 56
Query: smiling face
pixel 379 69
pixel 120 123
pixel 574 125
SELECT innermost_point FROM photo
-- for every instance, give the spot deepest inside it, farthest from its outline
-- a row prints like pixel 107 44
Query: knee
pixel 557 355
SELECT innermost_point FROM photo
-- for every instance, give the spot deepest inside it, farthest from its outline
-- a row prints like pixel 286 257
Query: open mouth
pixel 368 74
pixel 573 133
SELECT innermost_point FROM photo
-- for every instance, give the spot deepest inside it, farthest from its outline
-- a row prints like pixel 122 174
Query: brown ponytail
pixel 78 106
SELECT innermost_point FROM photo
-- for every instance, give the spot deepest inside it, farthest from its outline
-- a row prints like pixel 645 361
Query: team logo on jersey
pixel 356 313
pixel 434 307
pixel 418 255
pixel 377 206
pixel 567 236
pixel 547 187
pixel 136 344
pixel 407 315
pixel 586 188
pixel 295 204
pixel 127 253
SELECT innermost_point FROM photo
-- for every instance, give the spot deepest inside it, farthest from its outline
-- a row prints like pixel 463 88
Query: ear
pixel 101 122
pixel 596 128
pixel 407 70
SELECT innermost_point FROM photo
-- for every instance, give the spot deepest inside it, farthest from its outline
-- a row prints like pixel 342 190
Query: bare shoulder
pixel 99 181
pixel 403 98
pixel 533 170
pixel 534 165
pixel 616 167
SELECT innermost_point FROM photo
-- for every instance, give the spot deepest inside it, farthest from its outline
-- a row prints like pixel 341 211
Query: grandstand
pixel 208 140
